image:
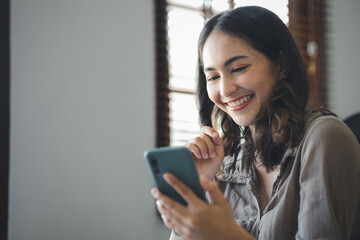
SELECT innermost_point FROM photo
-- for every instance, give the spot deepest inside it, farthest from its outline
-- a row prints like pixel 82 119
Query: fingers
pixel 209 146
pixel 171 224
pixel 204 146
pixel 216 195
pixel 215 137
pixel 188 220
pixel 201 147
pixel 171 220
pixel 172 213
pixel 168 203
pixel 188 195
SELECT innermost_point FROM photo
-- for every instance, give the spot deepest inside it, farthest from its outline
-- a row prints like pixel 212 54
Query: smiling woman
pixel 279 165
pixel 272 58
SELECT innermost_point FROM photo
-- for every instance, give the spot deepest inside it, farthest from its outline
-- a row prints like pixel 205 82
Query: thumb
pixel 216 195
pixel 216 139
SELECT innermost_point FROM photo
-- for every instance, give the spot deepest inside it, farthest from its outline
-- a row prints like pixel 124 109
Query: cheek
pixel 214 96
pixel 265 92
pixel 211 90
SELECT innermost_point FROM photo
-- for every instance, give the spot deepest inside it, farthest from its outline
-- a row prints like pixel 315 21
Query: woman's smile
pixel 239 103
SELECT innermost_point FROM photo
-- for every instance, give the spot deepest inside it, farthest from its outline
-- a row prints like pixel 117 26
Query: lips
pixel 239 103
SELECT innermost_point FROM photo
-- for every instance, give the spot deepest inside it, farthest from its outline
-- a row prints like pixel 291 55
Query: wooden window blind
pixel 162 75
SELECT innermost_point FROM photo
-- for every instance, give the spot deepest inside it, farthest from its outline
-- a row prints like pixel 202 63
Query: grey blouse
pixel 317 192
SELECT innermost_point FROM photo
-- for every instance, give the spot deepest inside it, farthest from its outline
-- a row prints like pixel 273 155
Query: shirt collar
pixel 240 174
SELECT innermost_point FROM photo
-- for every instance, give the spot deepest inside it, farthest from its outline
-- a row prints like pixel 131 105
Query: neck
pixel 252 131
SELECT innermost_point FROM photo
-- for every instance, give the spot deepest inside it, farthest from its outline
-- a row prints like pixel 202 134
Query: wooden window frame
pixel 162 75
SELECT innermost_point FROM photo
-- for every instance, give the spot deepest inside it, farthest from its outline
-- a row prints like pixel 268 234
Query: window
pixel 179 23
pixel 184 26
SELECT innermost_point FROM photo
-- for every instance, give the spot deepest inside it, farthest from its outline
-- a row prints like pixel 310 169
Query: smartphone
pixel 179 162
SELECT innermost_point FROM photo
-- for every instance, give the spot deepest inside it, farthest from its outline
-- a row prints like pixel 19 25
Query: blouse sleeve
pixel 329 181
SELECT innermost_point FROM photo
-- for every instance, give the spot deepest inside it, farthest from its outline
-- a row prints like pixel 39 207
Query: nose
pixel 227 86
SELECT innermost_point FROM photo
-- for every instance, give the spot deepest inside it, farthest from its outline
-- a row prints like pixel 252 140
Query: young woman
pixel 278 169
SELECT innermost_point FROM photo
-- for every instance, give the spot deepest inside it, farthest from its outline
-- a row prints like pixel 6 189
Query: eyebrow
pixel 227 62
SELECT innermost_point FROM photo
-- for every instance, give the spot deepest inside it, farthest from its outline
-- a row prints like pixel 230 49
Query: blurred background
pixel 87 82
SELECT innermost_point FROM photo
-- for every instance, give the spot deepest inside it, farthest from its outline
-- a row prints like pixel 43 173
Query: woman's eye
pixel 212 78
pixel 239 69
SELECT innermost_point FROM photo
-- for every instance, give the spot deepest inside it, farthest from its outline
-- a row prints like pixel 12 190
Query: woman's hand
pixel 198 220
pixel 208 152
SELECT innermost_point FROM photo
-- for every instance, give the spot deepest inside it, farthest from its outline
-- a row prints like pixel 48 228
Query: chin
pixel 243 122
pixel 245 119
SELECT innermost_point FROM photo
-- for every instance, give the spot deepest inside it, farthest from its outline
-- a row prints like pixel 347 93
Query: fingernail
pixel 167 177
pixel 164 218
pixel 212 154
pixel 155 193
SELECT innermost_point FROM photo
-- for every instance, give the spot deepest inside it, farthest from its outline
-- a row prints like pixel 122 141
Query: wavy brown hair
pixel 281 124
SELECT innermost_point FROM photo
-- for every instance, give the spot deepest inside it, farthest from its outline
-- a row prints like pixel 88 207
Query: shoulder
pixel 328 130
pixel 328 139
pixel 328 172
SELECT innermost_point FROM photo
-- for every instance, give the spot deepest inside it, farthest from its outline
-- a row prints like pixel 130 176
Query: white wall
pixel 82 113
pixel 344 57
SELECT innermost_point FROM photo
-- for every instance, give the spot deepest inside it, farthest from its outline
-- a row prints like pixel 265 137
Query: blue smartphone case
pixel 179 162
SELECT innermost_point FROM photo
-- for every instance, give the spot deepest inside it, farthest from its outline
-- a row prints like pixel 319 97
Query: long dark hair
pixel 282 123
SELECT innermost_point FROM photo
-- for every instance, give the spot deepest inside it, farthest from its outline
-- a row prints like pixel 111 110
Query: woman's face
pixel 239 79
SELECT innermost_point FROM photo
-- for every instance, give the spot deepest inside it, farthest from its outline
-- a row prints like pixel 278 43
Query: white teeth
pixel 239 101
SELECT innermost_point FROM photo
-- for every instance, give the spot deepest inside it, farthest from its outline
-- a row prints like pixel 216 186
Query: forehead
pixel 220 46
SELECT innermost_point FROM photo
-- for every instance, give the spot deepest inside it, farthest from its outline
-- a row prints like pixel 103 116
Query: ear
pixel 283 66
